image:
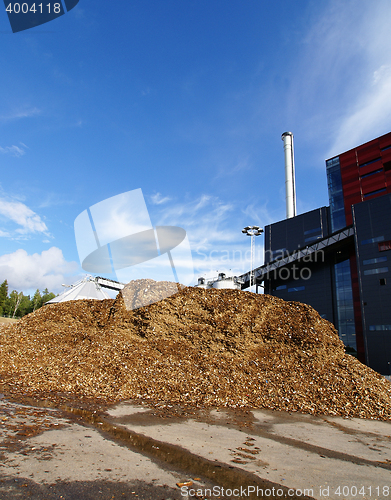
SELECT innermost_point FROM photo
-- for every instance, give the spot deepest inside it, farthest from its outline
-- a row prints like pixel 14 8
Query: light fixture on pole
pixel 252 231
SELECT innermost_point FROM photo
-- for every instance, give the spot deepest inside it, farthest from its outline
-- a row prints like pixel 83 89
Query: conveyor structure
pixel 110 284
pixel 326 244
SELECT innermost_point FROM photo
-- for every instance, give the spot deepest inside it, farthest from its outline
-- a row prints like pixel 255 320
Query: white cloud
pixel 203 216
pixel 262 215
pixel 214 231
pixel 25 112
pixel 13 151
pixel 232 168
pixel 22 215
pixel 370 116
pixel 29 272
pixel 340 93
pixel 158 199
pixel 49 199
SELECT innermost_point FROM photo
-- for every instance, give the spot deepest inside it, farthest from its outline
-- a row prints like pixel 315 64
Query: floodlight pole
pixel 252 260
pixel 252 231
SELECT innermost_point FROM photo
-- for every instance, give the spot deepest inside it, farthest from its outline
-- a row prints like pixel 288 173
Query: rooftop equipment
pixel 222 281
pixel 227 282
pixel 202 283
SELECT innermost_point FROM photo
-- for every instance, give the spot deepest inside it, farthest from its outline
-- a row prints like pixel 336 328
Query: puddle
pixel 165 454
pixel 184 461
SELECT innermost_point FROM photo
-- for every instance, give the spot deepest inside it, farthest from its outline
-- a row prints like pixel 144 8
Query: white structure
pixel 290 183
pixel 202 283
pixel 87 288
pixel 222 281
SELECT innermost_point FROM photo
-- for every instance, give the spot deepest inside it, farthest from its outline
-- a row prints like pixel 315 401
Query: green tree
pixel 3 296
pixel 24 306
pixel 13 302
pixel 47 296
pixel 37 300
pixel 17 304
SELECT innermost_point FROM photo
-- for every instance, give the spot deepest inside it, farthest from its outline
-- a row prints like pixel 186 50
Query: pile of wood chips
pixel 196 348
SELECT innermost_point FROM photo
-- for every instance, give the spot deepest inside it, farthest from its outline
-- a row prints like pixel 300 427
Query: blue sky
pixel 186 100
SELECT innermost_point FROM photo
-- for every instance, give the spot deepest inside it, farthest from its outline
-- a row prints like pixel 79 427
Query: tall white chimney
pixel 290 188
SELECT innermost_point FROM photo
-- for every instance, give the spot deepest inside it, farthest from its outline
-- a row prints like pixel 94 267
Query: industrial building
pixel 337 258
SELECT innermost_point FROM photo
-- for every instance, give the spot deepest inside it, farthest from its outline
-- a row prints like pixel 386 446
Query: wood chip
pixel 196 348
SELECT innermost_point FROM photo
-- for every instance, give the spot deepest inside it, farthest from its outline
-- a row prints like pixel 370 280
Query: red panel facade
pixel 386 155
pixel 365 174
pixel 370 158
pixel 373 183
pixel 372 167
pixel 384 141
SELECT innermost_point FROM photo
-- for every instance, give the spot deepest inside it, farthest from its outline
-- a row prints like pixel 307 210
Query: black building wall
pixel 298 232
pixel 307 281
pixel 310 283
pixel 372 224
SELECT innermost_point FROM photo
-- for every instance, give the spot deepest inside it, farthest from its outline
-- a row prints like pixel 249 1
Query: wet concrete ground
pixel 133 451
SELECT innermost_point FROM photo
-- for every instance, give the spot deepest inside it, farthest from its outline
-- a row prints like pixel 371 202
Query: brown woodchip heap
pixel 196 348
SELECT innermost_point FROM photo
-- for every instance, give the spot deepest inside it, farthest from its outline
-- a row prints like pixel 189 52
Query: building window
pixel 372 240
pixel 374 261
pixel 372 173
pixel 313 238
pixel 378 270
pixel 382 281
pixel 379 328
pixel 369 162
pixel 385 245
pixel 334 183
pixel 345 312
pixel 296 289
pixel 316 230
pixel 372 193
pixel 281 287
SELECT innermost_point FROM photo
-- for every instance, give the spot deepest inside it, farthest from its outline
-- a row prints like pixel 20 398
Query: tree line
pixel 16 304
